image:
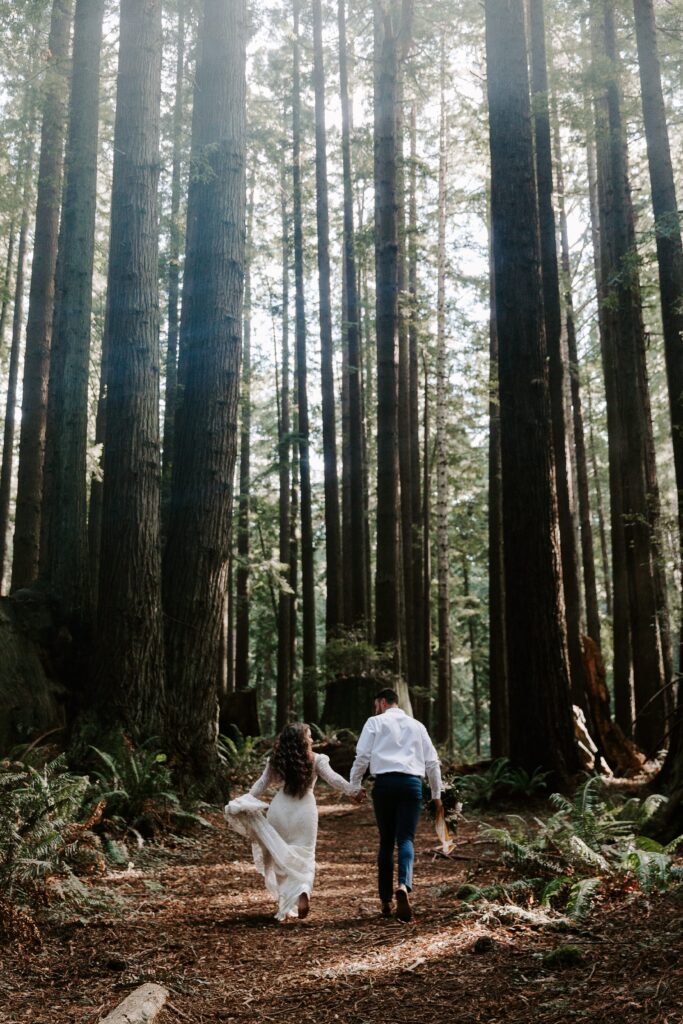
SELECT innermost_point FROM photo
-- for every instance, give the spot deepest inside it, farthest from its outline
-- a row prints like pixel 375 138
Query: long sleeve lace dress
pixel 283 841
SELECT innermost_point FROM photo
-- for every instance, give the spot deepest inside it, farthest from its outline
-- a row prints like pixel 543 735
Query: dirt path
pixel 198 920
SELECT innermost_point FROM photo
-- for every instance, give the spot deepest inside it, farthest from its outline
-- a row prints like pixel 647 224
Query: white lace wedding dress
pixel 283 841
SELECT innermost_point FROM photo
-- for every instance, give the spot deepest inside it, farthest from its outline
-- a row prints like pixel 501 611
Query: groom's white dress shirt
pixel 395 742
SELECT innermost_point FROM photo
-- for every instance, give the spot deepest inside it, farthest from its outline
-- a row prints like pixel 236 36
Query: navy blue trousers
pixel 397 799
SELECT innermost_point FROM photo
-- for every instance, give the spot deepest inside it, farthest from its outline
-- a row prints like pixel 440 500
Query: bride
pixel 283 842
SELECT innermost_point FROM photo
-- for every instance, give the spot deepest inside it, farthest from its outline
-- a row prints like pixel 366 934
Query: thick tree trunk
pixel 285 600
pixel 175 242
pixel 198 545
pixel 310 682
pixel 386 253
pixel 357 613
pixel 15 355
pixel 333 615
pixel 541 730
pixel 243 504
pixel 626 386
pixel 668 235
pixel 553 331
pixel 64 536
pixel 129 625
pixel 41 302
pixel 444 718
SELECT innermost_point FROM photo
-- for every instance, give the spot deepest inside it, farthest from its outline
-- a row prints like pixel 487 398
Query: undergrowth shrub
pixel 137 787
pixel 589 845
pixel 46 840
pixel 500 781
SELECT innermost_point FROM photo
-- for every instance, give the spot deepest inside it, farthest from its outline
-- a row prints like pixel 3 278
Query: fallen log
pixel 141 1007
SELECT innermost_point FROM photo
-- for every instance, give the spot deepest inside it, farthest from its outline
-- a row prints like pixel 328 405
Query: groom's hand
pixel 437 805
pixel 359 797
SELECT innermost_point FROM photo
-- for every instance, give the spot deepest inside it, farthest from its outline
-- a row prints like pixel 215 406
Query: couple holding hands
pixel 399 753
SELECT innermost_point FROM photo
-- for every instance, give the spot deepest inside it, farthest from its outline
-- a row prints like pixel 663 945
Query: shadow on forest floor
pixel 198 920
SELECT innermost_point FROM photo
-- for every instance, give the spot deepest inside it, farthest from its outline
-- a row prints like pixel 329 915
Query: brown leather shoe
pixel 386 910
pixel 404 911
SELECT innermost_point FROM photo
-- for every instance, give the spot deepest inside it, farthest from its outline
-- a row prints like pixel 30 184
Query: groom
pixel 399 752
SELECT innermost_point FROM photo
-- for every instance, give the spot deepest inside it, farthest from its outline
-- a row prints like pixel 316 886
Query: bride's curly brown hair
pixel 292 758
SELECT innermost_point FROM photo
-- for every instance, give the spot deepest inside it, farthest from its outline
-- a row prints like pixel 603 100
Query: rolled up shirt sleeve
pixel 363 754
pixel 432 766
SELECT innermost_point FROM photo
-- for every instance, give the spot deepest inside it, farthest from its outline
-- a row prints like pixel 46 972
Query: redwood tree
pixel 541 730
pixel 64 538
pixel 41 301
pixel 129 625
pixel 198 543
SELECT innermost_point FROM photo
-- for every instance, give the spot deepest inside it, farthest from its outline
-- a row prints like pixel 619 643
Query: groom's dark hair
pixel 387 694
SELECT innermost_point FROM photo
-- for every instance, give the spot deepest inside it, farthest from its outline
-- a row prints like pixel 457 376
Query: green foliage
pixel 587 844
pixel 349 655
pixel 45 837
pixel 138 789
pixel 240 755
pixel 500 781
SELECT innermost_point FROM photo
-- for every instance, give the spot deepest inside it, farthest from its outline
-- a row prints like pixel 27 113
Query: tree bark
pixel 541 730
pixel 129 654
pixel 175 242
pixel 667 232
pixel 310 682
pixel 444 720
pixel 64 531
pixel 198 545
pixel 333 616
pixel 26 172
pixel 586 527
pixel 285 600
pixel 553 331
pixel 357 614
pixel 499 711
pixel 386 253
pixel 243 505
pixel 626 385
pixel 41 302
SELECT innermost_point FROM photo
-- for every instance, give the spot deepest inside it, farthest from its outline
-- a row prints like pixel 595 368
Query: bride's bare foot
pixel 303 906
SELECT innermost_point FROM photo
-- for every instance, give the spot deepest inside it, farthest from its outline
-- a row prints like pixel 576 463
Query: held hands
pixel 359 797
pixel 437 805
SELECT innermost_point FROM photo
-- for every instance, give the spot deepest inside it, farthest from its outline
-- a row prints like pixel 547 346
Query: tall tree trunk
pixel 626 384
pixel 176 235
pixel 499 713
pixel 386 252
pixel 541 728
pixel 41 302
pixel 332 523
pixel 286 598
pixel 426 549
pixel 198 545
pixel 64 531
pixel 422 652
pixel 310 682
pixel 358 612
pixel 553 331
pixel 243 514
pixel 599 507
pixel 444 722
pixel 586 527
pixel 667 231
pixel 25 172
pixel 129 623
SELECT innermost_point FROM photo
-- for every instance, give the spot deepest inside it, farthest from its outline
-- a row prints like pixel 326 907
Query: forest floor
pixel 194 916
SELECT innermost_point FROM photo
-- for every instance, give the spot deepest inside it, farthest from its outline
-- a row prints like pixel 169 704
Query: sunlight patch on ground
pixel 405 956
